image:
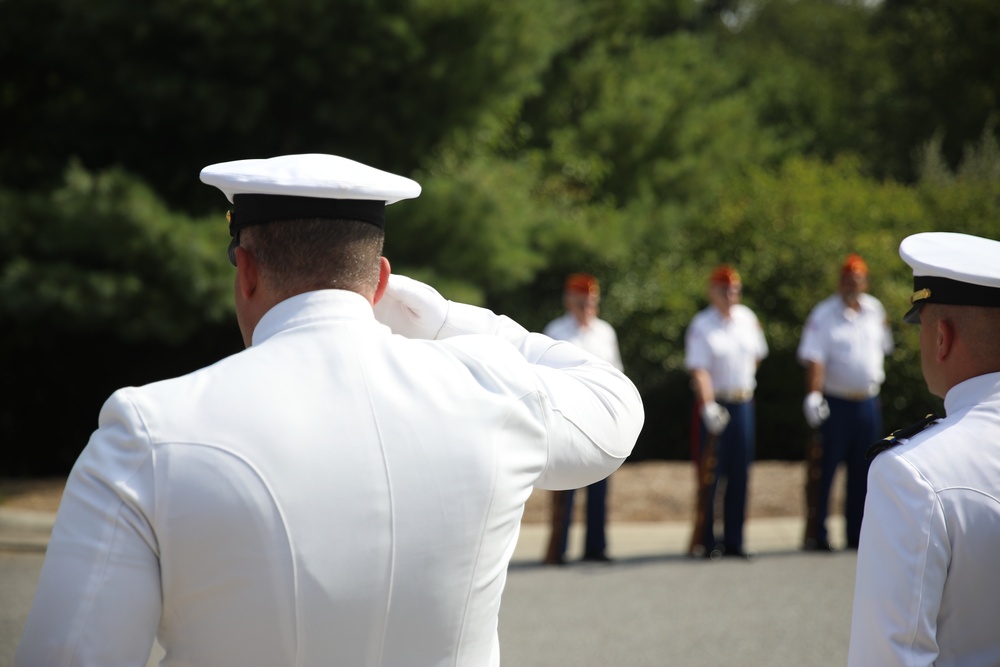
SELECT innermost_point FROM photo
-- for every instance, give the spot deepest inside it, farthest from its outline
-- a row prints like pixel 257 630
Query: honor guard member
pixel 927 589
pixel 723 346
pixel 347 490
pixel 843 348
pixel 581 326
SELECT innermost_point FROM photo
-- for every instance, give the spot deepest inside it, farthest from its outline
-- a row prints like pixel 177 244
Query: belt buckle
pixel 738 396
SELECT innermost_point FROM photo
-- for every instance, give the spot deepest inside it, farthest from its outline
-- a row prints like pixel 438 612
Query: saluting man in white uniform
pixel 928 588
pixel 346 491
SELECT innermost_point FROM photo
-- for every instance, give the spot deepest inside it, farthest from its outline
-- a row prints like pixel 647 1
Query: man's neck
pixel 852 301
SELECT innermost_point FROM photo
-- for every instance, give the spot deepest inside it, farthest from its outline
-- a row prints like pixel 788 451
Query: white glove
pixel 715 417
pixel 412 309
pixel 815 408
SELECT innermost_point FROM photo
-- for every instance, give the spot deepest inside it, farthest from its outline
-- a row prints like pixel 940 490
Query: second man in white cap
pixel 927 590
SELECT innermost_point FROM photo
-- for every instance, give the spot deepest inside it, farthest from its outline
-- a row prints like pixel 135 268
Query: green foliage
pixel 788 232
pixel 816 73
pixel 663 118
pixel 166 86
pixel 946 59
pixel 644 141
pixel 101 286
pixel 103 254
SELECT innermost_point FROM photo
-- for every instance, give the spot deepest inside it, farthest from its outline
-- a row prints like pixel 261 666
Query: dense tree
pixel 817 75
pixel 644 141
pixel 946 59
pixel 102 253
pixel 101 286
pixel 164 87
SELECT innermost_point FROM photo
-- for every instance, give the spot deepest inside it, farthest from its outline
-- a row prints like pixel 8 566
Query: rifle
pixel 556 548
pixel 814 473
pixel 705 470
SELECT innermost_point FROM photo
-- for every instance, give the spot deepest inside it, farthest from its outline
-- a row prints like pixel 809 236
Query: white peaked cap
pixel 312 175
pixel 952 268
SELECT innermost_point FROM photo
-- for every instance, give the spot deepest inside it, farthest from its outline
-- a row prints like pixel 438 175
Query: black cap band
pixel 257 209
pixel 934 289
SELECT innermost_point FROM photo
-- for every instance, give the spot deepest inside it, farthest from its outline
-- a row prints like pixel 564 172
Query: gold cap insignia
pixel 920 295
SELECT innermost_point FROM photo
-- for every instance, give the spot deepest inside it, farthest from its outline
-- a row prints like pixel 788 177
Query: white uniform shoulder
pixel 828 306
pixel 703 318
pixel 869 302
pixel 604 327
pixel 743 313
pixel 913 432
pixel 561 327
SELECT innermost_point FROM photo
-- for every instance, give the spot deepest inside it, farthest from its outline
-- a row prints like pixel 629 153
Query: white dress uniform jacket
pixel 851 345
pixel 333 495
pixel 729 349
pixel 598 337
pixel 928 585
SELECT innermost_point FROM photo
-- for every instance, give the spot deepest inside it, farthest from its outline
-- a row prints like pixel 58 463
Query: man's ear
pixel 246 272
pixel 945 338
pixel 384 271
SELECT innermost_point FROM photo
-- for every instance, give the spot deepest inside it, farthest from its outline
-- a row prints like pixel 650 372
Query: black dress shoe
pixel 821 546
pixel 597 557
pixel 555 561
pixel 738 552
pixel 701 552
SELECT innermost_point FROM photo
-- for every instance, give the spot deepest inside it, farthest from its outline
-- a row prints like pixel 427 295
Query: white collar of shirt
pixel 719 318
pixel 312 307
pixel 864 306
pixel 966 394
pixel 850 314
pixel 571 321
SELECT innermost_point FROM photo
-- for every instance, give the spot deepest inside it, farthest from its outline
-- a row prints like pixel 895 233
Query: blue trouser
pixel 595 542
pixel 734 451
pixel 847 433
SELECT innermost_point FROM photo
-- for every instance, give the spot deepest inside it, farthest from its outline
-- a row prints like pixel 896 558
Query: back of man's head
pixel 310 221
pixel 295 256
pixel 976 329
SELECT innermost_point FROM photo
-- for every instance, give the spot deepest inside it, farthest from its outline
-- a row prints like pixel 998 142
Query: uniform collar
pixel 327 304
pixel 719 317
pixel 970 392
pixel 864 303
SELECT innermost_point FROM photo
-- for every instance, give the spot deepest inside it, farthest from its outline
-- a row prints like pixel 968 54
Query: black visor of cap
pixel 257 209
pixel 931 289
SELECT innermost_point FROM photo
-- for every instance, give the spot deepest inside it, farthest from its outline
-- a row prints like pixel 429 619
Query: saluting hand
pixel 411 309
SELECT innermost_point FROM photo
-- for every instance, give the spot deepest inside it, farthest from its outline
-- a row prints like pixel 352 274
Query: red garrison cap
pixel 725 275
pixel 582 283
pixel 854 264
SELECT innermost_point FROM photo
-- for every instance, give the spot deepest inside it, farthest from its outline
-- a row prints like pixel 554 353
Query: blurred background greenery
pixel 644 141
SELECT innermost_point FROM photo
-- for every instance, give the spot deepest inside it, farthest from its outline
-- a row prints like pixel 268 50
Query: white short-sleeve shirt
pixel 850 344
pixel 728 348
pixel 598 337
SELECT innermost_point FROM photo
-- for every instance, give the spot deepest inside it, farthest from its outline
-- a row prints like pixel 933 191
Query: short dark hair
pixel 301 255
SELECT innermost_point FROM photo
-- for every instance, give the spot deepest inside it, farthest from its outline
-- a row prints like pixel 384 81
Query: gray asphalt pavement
pixel 651 606
pixel 785 608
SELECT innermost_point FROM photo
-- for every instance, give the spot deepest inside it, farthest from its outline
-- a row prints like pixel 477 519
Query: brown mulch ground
pixel 32 494
pixel 665 490
pixel 644 491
